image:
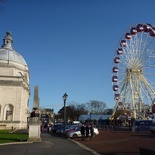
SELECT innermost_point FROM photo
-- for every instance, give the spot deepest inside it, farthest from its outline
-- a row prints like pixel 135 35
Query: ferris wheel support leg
pixel 134 114
pixel 115 108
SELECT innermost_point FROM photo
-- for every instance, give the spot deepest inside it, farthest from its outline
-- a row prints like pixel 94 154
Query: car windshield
pixel 77 129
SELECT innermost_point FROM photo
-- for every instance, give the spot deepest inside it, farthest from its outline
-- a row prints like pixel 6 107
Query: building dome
pixel 8 54
pixel 14 80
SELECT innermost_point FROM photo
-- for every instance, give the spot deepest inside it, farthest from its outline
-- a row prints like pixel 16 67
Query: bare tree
pixel 96 107
pixel 73 111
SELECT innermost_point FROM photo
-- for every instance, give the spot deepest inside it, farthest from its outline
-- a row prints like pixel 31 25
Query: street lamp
pixel 64 98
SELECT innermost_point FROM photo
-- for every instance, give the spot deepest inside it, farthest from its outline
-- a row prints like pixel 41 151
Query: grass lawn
pixel 7 137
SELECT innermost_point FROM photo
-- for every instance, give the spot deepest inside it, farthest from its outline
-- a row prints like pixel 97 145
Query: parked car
pixel 69 127
pixel 77 133
pixel 73 127
pixel 152 128
pixel 58 131
pixel 56 127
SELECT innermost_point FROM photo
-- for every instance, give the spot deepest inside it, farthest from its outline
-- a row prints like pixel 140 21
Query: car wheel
pixel 75 136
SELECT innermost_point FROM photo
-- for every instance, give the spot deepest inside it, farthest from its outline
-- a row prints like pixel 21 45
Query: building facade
pixel 14 87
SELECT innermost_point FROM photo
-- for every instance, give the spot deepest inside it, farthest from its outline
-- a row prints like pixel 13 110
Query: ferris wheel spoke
pixel 148 87
pixel 123 91
pixel 146 51
pixel 144 43
pixel 146 96
pixel 141 45
pixel 149 74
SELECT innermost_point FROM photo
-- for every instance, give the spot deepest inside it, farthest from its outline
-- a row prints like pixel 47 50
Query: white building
pixel 14 87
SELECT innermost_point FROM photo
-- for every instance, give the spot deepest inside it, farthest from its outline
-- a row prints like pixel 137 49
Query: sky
pixel 69 45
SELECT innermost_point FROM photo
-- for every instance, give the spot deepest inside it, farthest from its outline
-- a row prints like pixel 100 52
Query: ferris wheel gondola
pixel 133 71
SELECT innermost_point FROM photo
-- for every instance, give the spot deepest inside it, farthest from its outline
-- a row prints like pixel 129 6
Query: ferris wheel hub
pixel 133 70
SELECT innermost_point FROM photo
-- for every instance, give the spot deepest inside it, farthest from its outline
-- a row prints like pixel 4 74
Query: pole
pixel 64 98
pixel 64 115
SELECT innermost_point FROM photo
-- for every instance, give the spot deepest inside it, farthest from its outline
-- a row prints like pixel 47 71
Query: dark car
pixel 56 127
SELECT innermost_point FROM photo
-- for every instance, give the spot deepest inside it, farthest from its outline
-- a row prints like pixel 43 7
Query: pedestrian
pixel 42 128
pixel 45 127
pixel 83 131
pixel 87 132
pixel 92 131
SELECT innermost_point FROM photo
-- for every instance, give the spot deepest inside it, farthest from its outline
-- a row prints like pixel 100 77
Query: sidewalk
pixel 50 145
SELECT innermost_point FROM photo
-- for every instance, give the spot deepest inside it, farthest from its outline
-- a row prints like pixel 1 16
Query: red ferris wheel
pixel 133 70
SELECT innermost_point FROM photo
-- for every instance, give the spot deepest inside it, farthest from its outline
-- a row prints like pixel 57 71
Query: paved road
pixel 50 145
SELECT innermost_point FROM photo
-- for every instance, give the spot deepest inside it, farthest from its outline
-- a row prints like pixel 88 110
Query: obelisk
pixel 36 98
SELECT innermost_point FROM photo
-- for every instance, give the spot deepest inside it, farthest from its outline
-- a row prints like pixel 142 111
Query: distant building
pixel 14 86
pixel 47 116
pixel 83 118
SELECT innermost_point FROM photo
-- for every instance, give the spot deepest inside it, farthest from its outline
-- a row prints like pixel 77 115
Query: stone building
pixel 14 87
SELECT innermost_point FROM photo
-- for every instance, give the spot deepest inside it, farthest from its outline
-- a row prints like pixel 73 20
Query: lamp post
pixel 64 98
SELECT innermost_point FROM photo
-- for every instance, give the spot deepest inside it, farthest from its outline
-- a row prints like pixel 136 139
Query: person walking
pixel 92 131
pixel 83 131
pixel 87 132
pixel 45 127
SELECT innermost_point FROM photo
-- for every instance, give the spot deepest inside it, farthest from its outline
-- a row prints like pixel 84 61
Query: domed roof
pixel 7 53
